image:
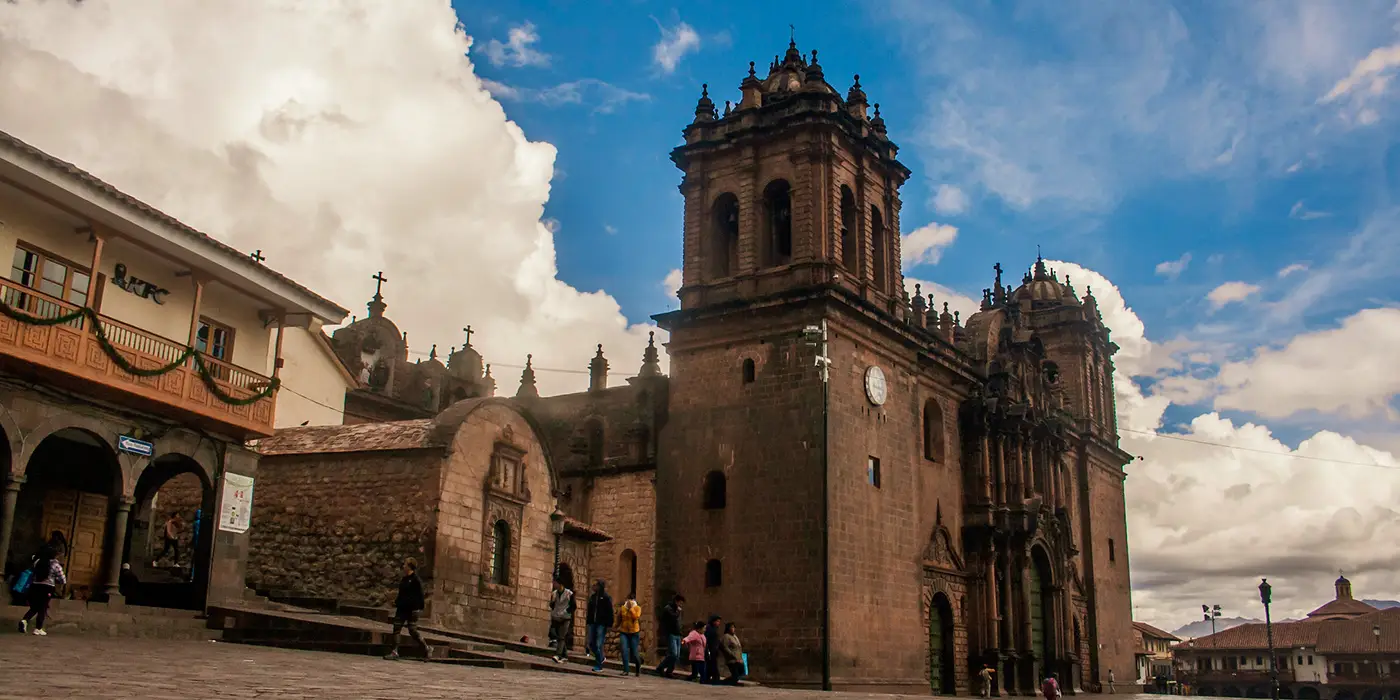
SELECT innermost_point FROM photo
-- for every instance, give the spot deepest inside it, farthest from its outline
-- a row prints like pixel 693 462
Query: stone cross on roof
pixel 468 331
pixel 379 280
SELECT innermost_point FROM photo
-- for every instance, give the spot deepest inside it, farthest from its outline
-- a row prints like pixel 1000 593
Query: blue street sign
pixel 126 443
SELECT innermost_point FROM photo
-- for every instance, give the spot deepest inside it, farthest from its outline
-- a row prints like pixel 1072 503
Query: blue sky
pixel 1117 135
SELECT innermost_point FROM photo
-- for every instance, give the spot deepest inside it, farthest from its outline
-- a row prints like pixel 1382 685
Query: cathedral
pixel 885 497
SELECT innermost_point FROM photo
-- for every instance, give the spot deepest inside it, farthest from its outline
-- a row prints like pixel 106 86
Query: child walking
pixel 695 646
pixel 47 575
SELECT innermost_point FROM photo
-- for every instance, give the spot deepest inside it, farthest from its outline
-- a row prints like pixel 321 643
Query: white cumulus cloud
pixel 950 200
pixel 1172 269
pixel 518 49
pixel 672 283
pixel 1231 292
pixel 675 43
pixel 924 245
pixel 340 138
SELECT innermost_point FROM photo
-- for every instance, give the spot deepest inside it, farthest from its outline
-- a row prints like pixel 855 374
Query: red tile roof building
pixel 1344 650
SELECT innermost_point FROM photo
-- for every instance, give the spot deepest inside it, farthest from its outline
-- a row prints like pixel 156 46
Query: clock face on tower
pixel 875 385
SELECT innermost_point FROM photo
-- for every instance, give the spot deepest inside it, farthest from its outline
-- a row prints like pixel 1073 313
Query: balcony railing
pixel 73 349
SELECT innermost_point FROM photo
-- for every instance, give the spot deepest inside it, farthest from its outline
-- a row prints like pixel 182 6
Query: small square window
pixel 872 472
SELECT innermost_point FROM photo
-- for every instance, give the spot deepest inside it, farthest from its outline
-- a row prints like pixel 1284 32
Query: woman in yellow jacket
pixel 629 627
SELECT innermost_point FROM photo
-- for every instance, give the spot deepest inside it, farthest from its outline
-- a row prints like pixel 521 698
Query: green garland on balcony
pixel 115 356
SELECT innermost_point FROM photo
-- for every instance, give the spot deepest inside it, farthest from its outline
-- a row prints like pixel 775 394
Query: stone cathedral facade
pixel 952 498
pixel 951 495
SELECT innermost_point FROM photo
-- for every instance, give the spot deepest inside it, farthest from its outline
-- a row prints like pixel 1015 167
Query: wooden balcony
pixel 68 355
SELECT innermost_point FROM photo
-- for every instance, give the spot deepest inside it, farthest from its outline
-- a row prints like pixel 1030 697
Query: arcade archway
pixel 71 480
pixel 173 490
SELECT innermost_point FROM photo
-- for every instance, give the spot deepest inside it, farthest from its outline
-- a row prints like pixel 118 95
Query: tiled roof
pixel 1255 636
pixel 1342 607
pixel 1358 635
pixel 588 532
pixel 236 256
pixel 1150 631
pixel 361 437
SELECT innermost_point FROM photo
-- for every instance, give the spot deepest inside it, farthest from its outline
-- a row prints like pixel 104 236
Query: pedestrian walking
pixel 600 618
pixel 171 534
pixel 733 653
pixel 561 619
pixel 713 643
pixel 694 644
pixel 1050 687
pixel 629 629
pixel 986 674
pixel 46 576
pixel 407 605
pixel 1111 689
pixel 671 632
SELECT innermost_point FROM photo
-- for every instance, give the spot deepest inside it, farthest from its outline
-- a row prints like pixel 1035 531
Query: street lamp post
pixel 1209 613
pixel 1266 595
pixel 816 337
pixel 556 526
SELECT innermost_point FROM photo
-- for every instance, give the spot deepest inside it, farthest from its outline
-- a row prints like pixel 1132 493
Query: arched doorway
pixel 1231 691
pixel 1285 693
pixel 1042 635
pixel 176 577
pixel 1258 691
pixel 70 482
pixel 1308 692
pixel 627 573
pixel 940 645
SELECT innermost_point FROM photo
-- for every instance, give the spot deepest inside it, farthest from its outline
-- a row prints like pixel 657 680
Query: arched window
pixel 627 572
pixel 777 214
pixel 879 247
pixel 724 236
pixel 714 575
pixel 933 431
pixel 749 372
pixel 500 553
pixel 850 238
pixel 714 487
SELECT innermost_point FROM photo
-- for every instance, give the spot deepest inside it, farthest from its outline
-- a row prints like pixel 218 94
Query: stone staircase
pixel 129 621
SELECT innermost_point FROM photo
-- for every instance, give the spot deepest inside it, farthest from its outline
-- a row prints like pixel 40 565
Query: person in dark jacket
pixel 406 608
pixel 671 616
pixel 714 640
pixel 600 618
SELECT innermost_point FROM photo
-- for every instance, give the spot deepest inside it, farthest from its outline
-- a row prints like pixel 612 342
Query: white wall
pixel 21 219
pixel 313 388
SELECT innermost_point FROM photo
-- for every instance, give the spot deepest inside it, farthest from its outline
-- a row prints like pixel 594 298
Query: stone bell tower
pixel 792 223
pixel 792 186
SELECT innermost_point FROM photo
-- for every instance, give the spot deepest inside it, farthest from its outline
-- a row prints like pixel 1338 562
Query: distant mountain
pixel 1201 628
pixel 1383 604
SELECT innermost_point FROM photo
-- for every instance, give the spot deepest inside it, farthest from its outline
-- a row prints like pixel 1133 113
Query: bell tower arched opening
pixel 879 250
pixel 724 236
pixel 850 236
pixel 777 223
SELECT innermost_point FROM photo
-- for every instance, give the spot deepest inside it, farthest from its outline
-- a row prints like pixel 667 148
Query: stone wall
pixel 340 525
pixel 1112 592
pixel 624 506
pixel 879 533
pixel 473 501
pixel 764 436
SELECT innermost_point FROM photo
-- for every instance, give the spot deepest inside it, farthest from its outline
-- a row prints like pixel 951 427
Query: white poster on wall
pixel 236 510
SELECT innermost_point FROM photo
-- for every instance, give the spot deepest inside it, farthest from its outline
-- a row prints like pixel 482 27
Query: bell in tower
pixel 794 187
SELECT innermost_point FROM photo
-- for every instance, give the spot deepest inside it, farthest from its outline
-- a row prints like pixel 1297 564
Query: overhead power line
pixel 1256 450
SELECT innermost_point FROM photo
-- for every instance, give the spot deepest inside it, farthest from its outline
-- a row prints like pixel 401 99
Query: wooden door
pixel 82 518
pixel 89 536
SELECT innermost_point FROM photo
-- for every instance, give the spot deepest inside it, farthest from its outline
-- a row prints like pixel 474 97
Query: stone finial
pixel 489 382
pixel 814 70
pixel 527 389
pixel 651 359
pixel 598 371
pixel 432 354
pixel 855 101
pixel 877 123
pixel 705 108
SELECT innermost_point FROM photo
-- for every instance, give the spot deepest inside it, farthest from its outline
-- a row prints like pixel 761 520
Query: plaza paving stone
pixel 60 666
